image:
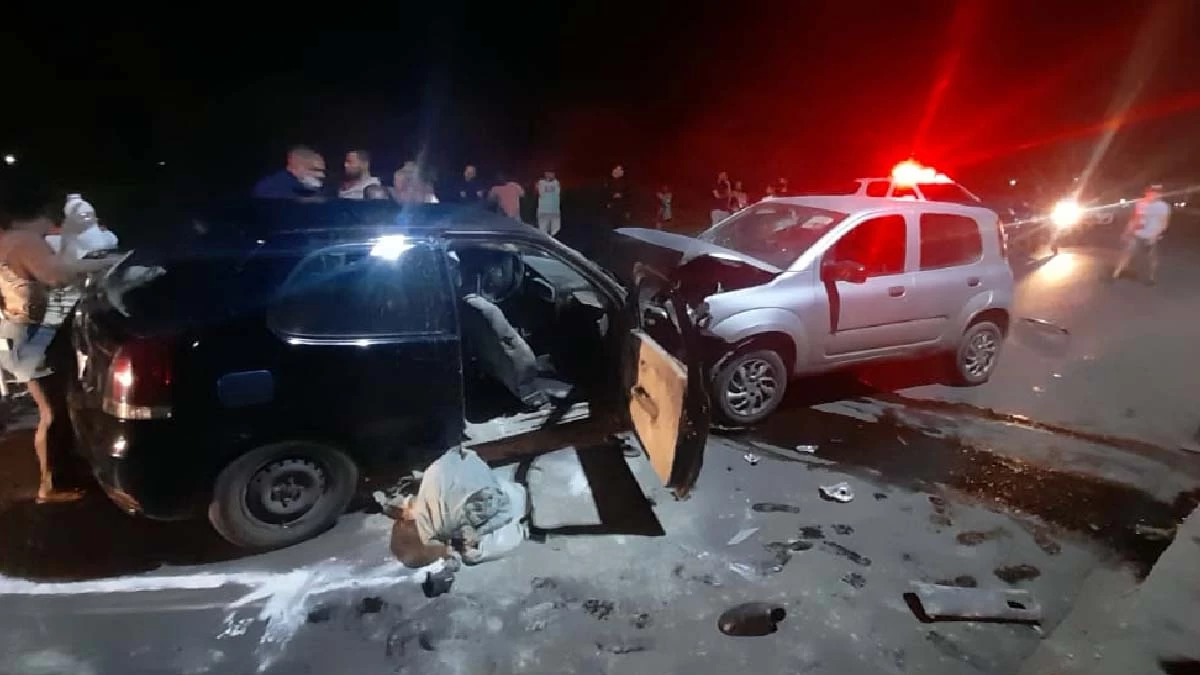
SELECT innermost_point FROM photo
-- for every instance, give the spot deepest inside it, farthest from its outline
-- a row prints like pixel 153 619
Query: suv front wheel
pixel 977 353
pixel 282 494
pixel 750 386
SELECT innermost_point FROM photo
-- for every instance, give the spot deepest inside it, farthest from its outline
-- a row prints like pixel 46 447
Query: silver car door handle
pixel 896 291
pixel 972 281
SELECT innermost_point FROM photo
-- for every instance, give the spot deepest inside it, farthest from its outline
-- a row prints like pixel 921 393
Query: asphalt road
pixel 947 493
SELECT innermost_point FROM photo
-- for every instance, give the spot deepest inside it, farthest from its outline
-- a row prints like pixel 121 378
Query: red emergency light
pixel 910 172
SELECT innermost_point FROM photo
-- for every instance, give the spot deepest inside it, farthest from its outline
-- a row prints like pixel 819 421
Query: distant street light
pixel 1012 182
pixel 10 159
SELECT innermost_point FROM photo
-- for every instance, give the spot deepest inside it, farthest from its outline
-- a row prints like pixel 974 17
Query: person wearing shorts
pixel 28 269
pixel 1143 233
pixel 549 209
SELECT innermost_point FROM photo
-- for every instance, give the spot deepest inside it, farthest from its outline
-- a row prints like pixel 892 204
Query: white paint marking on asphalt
pixel 284 596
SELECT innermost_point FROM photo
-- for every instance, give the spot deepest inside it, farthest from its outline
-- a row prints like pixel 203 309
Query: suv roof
pixel 859 203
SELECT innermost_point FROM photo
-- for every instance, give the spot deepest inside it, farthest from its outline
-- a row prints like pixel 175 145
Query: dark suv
pixel 292 349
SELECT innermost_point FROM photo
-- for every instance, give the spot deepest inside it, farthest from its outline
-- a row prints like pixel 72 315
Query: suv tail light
pixel 139 381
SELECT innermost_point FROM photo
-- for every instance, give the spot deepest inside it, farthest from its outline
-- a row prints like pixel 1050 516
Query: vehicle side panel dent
pixel 978 304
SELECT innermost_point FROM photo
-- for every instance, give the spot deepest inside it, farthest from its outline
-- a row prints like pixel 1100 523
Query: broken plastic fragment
pixel 751 619
pixel 741 536
pixel 751 458
pixel 809 449
pixel 953 603
pixel 840 492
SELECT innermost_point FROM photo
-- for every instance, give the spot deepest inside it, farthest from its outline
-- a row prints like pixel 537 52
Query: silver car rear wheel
pixel 750 386
pixel 978 352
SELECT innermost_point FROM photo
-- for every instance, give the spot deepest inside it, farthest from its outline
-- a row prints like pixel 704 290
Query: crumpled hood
pixel 690 248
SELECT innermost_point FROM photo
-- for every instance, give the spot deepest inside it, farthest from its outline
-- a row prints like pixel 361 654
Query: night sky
pixel 816 91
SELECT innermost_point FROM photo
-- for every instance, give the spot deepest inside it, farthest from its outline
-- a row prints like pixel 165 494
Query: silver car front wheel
pixel 750 386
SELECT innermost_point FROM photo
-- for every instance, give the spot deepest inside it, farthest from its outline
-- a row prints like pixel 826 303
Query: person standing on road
pixel 1145 229
pixel 617 200
pixel 358 175
pixel 739 197
pixel 781 187
pixel 507 194
pixel 28 269
pixel 410 187
pixel 665 214
pixel 722 193
pixel 468 189
pixel 549 210
pixel 303 176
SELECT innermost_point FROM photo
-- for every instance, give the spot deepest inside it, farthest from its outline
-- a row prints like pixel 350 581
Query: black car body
pixel 263 367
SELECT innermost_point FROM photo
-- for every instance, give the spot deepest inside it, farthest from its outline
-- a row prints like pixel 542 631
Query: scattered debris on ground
pixel 811 532
pixel 751 619
pixel 751 458
pixel 852 556
pixel 842 529
pixel 741 536
pixel 855 579
pixel 1157 533
pixel 976 537
pixel 954 603
pixel 807 449
pixel 838 492
pixel 623 646
pixel 774 507
pixel 437 583
pixel 1015 573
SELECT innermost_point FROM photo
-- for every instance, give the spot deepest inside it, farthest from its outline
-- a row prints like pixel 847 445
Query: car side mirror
pixel 844 270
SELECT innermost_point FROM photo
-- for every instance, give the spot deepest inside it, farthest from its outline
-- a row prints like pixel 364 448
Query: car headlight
pixel 1066 213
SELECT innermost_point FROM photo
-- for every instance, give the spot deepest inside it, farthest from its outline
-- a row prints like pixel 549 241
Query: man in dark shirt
pixel 617 200
pixel 302 177
pixel 466 190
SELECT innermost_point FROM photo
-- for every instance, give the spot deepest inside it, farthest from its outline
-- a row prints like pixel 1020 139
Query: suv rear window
pixel 344 292
pixel 948 240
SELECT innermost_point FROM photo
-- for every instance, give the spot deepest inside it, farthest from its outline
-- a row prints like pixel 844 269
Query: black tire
pixel 963 373
pixel 242 517
pixel 726 411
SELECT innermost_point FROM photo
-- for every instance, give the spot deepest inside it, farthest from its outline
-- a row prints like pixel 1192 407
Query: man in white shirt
pixel 549 211
pixel 1147 226
pixel 358 175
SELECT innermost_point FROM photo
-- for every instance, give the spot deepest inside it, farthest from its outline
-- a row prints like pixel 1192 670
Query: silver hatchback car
pixel 802 285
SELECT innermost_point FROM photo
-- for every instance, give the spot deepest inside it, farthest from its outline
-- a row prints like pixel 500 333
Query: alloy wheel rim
pixel 980 355
pixel 752 387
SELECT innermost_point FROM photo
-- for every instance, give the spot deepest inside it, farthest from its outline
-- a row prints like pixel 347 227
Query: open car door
pixel 668 403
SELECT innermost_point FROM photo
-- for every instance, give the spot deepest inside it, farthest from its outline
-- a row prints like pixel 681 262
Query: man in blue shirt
pixel 302 177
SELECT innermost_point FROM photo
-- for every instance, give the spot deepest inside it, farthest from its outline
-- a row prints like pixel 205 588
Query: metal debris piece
pixel 902 441
pixel 751 458
pixel 808 449
pixel 743 570
pixel 437 583
pixel 741 536
pixel 953 603
pixel 840 492
pixel 1150 532
pixel 1042 323
pixel 1038 390
pixel 1057 376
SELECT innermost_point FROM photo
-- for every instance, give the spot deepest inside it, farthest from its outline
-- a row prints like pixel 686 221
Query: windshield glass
pixel 773 232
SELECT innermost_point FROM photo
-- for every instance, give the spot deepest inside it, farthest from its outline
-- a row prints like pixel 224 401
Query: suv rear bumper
pixel 142 465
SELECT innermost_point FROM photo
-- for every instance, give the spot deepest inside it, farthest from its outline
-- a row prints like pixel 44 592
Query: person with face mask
pixel 304 176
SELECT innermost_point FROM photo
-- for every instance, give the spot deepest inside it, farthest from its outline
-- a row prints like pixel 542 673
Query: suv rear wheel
pixel 750 386
pixel 977 353
pixel 281 494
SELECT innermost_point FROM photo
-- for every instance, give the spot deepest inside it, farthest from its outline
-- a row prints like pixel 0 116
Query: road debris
pixel 902 441
pixel 1042 323
pixel 855 580
pixel 807 449
pixel 437 583
pixel 1159 533
pixel 853 556
pixel 839 492
pixel 626 646
pixel 741 536
pixel 774 507
pixel 1014 573
pixel 751 458
pixel 950 603
pixel 751 619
